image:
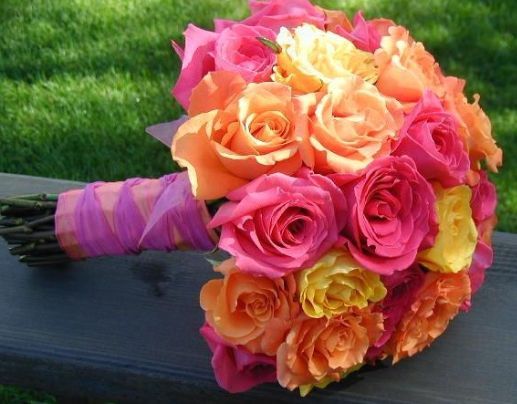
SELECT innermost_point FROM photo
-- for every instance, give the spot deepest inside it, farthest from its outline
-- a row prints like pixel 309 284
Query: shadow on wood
pixel 126 329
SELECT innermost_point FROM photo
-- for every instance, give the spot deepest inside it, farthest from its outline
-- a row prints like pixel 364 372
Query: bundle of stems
pixel 27 223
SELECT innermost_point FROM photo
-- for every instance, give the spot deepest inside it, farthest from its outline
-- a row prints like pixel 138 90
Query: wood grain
pixel 126 329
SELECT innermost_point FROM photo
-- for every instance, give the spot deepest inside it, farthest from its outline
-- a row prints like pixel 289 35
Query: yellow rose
pixel 311 58
pixel 457 234
pixel 307 388
pixel 336 283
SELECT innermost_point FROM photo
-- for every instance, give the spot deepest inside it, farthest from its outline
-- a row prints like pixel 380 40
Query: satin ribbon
pixel 126 218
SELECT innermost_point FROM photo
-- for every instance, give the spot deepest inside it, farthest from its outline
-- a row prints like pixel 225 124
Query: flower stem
pixel 27 223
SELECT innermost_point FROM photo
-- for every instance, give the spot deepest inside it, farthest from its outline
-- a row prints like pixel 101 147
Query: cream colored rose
pixel 335 284
pixel 457 234
pixel 311 58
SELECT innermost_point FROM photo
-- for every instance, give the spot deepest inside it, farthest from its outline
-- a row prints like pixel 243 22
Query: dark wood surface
pixel 126 329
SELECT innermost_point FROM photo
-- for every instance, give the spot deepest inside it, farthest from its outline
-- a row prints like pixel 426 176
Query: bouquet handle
pixel 117 218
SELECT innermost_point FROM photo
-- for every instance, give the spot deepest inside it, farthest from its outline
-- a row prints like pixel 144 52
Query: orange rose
pixel 348 126
pixel 475 127
pixel 255 312
pixel 322 349
pixel 236 132
pixel 437 302
pixel 406 69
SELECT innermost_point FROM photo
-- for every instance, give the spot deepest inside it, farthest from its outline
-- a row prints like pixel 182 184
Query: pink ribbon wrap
pixel 126 218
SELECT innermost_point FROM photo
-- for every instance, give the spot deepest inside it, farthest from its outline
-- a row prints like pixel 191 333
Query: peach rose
pixel 475 127
pixel 348 126
pixel 322 349
pixel 406 69
pixel 437 302
pixel 236 132
pixel 255 312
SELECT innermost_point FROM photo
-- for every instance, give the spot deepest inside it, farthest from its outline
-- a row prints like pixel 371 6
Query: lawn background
pixel 81 79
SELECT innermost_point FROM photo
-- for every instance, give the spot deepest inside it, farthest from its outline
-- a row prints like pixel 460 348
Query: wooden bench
pixel 126 329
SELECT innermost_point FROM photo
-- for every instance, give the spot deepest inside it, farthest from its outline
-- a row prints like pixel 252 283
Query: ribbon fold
pixel 126 218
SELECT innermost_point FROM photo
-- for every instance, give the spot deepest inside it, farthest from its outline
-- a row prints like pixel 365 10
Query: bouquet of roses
pixel 335 163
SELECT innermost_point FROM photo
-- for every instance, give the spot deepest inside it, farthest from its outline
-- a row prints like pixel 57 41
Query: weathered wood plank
pixel 127 329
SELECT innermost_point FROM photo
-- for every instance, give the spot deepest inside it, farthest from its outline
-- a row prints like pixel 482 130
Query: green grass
pixel 81 79
pixel 13 395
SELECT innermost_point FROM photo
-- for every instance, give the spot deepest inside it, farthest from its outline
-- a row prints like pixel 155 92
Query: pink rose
pixel 402 288
pixel 197 60
pixel 274 14
pixel 237 370
pixel 430 137
pixel 483 204
pixel 235 49
pixel 366 35
pixel 391 215
pixel 277 223
pixel 481 261
pixel 484 199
